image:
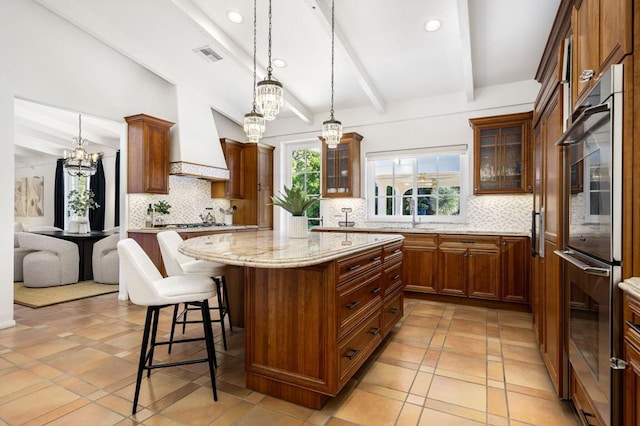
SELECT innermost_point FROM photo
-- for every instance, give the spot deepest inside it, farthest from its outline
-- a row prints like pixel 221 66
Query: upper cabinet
pixel 341 167
pixel 148 154
pixel 602 36
pixel 234 187
pixel 257 186
pixel 502 158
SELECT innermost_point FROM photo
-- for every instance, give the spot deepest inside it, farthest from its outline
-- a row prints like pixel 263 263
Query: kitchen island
pixel 315 308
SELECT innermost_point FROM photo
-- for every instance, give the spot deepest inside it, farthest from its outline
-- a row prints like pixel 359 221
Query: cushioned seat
pixel 53 261
pixel 105 260
pixel 146 287
pixel 18 258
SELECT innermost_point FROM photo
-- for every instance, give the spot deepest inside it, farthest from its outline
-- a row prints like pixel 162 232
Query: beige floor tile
pixel 528 375
pixel 365 408
pixel 493 420
pixel 495 371
pixel 421 384
pixel 458 392
pixel 496 402
pixel 426 321
pixel 441 415
pixel 17 380
pixel 428 310
pixel 522 353
pixel 36 404
pixel 409 415
pixel 460 363
pixel 539 411
pixel 100 416
pixel 230 416
pixel 415 334
pixel 334 421
pixel 465 327
pixel 390 376
pixel 200 408
pixel 464 343
pixel 516 334
pixel 406 352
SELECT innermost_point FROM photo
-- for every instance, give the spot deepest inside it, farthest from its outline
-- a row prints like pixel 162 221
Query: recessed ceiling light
pixel 432 25
pixel 280 63
pixel 235 16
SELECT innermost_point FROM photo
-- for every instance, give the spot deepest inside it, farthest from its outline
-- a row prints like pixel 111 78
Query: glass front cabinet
pixel 502 158
pixel 341 167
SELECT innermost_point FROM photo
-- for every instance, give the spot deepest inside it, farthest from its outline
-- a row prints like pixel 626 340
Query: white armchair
pixel 53 262
pixel 19 254
pixel 105 260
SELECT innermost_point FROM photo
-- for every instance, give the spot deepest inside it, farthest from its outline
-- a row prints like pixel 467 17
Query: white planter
pixel 79 225
pixel 228 219
pixel 298 227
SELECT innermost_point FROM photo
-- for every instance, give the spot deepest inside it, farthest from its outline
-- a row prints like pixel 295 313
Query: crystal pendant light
pixel 332 128
pixel 79 162
pixel 254 121
pixel 270 96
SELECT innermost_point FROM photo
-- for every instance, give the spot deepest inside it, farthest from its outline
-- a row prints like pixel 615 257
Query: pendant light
pixel 332 128
pixel 79 162
pixel 270 95
pixel 254 121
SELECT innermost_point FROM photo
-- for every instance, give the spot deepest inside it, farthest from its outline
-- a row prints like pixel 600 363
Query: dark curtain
pixel 116 215
pixel 58 195
pixel 97 186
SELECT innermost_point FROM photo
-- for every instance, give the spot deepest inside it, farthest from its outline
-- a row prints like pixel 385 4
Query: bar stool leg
pixel 173 324
pixel 211 352
pixel 143 356
pixel 226 302
pixel 154 333
pixel 221 311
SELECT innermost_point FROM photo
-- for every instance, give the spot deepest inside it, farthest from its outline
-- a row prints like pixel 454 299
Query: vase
pixel 228 219
pixel 298 227
pixel 79 224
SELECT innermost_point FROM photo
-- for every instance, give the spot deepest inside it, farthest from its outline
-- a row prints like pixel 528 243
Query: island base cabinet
pixel 392 311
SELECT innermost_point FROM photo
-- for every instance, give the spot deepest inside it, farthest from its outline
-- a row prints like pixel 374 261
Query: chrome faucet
pixel 413 209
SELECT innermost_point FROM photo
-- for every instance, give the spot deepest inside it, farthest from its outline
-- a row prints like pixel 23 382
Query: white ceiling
pixel 383 53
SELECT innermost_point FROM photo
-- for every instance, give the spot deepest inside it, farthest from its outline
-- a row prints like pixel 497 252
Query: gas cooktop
pixel 193 225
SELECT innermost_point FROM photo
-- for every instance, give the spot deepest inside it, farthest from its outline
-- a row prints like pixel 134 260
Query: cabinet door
pixel 483 272
pixel 514 258
pixel 420 263
pixel 234 187
pixel 584 23
pixel 616 23
pixel 265 187
pixel 631 398
pixel 341 167
pixel 452 265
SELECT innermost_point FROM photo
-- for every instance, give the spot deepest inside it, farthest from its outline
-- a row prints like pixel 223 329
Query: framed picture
pixel 20 197
pixel 35 196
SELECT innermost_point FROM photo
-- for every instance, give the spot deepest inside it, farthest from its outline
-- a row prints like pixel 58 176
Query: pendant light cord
pixel 255 24
pixel 333 24
pixel 269 69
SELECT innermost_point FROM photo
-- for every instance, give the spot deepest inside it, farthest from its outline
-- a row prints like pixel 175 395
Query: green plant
pixel 161 207
pixel 81 200
pixel 295 200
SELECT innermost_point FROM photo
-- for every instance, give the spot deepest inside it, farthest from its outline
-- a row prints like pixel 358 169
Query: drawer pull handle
pixel 395 277
pixel 353 354
pixel 469 242
pixel 376 290
pixel 586 75
pixel 375 331
pixel 353 305
pixel 353 267
pixel 394 310
pixel 375 259
pixel 395 251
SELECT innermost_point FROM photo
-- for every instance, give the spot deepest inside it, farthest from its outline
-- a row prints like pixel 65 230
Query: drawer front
pixel 391 278
pixel 392 252
pixel 356 347
pixel 470 240
pixel 632 321
pixel 357 299
pixel 583 404
pixel 428 240
pixel 392 311
pixel 351 267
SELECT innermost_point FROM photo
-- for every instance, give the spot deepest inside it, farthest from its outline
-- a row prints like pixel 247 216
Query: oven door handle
pixel 585 114
pixel 593 270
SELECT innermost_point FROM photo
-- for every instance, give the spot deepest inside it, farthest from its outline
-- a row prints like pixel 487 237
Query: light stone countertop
pixel 213 228
pixel 631 286
pixel 422 230
pixel 268 249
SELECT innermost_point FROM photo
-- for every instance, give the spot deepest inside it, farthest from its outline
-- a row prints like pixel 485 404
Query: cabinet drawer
pixel 391 278
pixel 470 240
pixel 584 406
pixel 632 321
pixel 428 240
pixel 392 252
pixel 353 266
pixel 357 346
pixel 392 311
pixel 358 298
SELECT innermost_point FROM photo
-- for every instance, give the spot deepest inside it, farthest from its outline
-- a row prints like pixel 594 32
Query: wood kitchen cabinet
pixel 234 187
pixel 469 266
pixel 631 392
pixel 502 154
pixel 602 36
pixel 515 253
pixel 420 262
pixel 254 208
pixel 341 167
pixel 148 154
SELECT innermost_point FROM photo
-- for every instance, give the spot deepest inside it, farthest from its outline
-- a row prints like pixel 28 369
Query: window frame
pixel 305 144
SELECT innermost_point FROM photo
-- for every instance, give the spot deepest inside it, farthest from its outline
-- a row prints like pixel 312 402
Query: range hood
pixel 195 144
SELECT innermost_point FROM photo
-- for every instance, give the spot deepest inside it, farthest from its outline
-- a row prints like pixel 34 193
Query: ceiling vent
pixel 208 54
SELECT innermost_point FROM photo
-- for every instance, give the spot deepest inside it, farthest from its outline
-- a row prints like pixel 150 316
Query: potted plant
pixel 296 201
pixel 79 202
pixel 161 208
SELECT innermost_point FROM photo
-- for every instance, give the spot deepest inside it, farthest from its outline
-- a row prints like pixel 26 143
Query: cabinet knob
pixel 504 243
pixel 353 353
pixel 585 76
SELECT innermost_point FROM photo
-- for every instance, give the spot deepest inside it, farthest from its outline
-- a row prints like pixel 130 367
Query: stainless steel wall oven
pixel 593 244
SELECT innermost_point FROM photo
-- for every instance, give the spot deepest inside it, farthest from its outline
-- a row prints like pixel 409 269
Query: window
pixel 428 185
pixel 305 171
pixel 73 182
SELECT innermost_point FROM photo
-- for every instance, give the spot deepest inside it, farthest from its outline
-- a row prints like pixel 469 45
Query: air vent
pixel 208 54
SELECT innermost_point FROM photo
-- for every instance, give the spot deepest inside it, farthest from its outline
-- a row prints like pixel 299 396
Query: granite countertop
pixel 422 230
pixel 268 249
pixel 631 286
pixel 213 228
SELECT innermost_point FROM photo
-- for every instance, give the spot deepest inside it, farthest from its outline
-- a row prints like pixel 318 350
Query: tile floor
pixel 444 364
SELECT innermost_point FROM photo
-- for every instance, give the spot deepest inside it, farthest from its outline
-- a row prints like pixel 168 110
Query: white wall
pixel 52 62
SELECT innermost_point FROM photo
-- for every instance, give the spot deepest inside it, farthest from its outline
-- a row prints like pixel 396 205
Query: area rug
pixel 39 297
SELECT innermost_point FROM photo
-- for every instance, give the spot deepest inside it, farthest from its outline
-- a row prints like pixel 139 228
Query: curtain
pixel 58 195
pixel 116 215
pixel 97 186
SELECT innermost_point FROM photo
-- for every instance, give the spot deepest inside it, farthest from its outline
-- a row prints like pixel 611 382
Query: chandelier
pixel 79 162
pixel 270 96
pixel 254 121
pixel 332 128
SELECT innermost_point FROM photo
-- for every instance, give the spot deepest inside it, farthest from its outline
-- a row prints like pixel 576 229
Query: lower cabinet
pixel 420 262
pixel 515 256
pixel 631 391
pixel 584 406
